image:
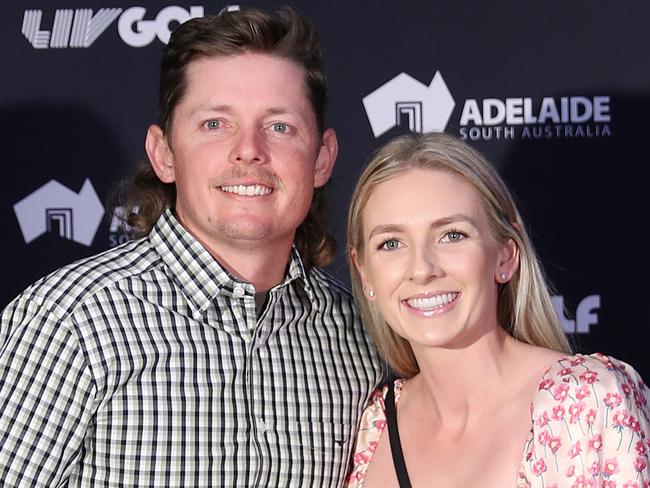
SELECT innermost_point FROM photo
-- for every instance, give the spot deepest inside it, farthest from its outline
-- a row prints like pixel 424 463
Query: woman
pixel 449 285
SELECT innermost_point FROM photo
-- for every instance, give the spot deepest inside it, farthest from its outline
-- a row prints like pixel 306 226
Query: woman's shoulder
pixel 370 429
pixel 594 380
pixel 590 417
pixel 593 371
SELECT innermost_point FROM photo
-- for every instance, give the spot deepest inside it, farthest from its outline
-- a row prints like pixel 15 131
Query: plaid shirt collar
pixel 198 274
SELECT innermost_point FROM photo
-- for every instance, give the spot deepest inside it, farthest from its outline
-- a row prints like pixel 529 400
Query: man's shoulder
pixel 324 281
pixel 68 286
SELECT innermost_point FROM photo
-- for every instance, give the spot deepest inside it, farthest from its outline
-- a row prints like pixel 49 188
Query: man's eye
pixel 213 124
pixel 280 127
pixel 390 245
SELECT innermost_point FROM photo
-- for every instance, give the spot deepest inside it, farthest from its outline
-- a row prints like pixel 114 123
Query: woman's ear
pixel 507 261
pixel 367 287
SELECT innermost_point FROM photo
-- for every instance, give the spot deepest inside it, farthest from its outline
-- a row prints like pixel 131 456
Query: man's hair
pixel 284 34
pixel 524 307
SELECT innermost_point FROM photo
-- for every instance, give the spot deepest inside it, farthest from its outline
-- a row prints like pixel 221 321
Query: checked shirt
pixel 147 366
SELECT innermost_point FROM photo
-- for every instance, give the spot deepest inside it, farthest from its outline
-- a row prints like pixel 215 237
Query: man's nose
pixel 249 147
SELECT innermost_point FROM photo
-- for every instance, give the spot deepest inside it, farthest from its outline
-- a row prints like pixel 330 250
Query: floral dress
pixel 590 428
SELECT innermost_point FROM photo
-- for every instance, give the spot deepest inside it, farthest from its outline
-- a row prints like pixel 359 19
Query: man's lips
pixel 247 190
pixel 431 302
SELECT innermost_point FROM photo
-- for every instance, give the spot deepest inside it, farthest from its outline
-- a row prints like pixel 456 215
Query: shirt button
pixel 261 425
pixel 238 291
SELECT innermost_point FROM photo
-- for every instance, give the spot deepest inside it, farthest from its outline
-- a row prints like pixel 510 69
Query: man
pixel 212 351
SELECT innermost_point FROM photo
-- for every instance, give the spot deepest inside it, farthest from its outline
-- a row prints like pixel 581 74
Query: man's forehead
pixel 275 83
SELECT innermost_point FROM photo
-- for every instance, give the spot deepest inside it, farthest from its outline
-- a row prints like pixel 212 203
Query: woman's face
pixel 431 259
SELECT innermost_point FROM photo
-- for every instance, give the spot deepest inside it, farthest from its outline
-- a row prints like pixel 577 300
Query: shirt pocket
pixel 321 441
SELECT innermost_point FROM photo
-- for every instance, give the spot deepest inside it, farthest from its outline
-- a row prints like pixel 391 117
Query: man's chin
pixel 252 232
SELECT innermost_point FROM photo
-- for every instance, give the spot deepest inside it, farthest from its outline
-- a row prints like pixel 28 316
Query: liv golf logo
pixel 406 102
pixel 81 27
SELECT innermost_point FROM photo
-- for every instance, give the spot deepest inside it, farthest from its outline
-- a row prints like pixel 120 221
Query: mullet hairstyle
pixel 284 34
pixel 524 307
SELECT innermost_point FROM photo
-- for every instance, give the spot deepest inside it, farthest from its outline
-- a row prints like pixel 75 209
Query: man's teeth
pixel 248 190
pixel 427 303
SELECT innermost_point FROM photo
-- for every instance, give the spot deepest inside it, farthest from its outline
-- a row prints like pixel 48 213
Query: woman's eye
pixel 213 124
pixel 453 236
pixel 390 244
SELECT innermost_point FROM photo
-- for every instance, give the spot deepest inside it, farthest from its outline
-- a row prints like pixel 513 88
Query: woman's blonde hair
pixel 524 307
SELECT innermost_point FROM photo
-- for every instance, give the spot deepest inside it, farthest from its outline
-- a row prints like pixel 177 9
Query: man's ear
pixel 160 154
pixel 326 158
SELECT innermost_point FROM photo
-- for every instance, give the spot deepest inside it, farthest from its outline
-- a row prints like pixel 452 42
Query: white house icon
pixel 56 208
pixel 405 101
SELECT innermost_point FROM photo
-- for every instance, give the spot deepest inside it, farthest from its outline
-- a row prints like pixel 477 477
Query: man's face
pixel 244 151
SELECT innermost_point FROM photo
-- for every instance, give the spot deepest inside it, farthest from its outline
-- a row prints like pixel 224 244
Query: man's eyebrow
pixel 441 222
pixel 211 108
pixel 279 110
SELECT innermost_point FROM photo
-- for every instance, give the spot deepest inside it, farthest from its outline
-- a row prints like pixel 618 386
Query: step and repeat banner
pixel 556 94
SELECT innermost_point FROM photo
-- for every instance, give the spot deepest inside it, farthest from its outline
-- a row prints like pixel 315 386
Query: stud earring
pixel 502 276
pixel 371 293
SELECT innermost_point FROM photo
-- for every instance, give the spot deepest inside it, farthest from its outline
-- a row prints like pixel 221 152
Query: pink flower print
pixel 596 443
pixel 558 412
pixel 372 446
pixel 619 419
pixel 633 424
pixel 571 470
pixel 554 443
pixel 589 376
pixel 641 448
pixel 380 424
pixel 582 482
pixel 544 437
pixel 543 419
pixel 594 469
pixel 575 410
pixel 612 400
pixel 577 361
pixel 608 363
pixel 575 450
pixel 610 467
pixel 546 384
pixel 609 484
pixel 591 417
pixel 626 389
pixel 358 475
pixel 361 458
pixel 539 467
pixel 639 399
pixel 630 484
pixel 640 464
pixel 565 372
pixel 582 392
pixel 561 392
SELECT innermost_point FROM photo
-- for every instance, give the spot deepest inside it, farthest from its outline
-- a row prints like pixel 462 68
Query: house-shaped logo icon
pixel 404 101
pixel 56 208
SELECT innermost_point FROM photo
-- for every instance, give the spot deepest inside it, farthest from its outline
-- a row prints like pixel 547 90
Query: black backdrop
pixel 78 89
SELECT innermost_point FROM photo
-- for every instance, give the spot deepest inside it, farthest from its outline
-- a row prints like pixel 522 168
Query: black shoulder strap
pixel 393 435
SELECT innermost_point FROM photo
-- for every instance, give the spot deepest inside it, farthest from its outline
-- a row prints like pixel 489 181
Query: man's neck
pixel 263 266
